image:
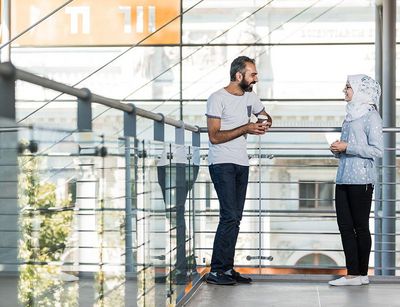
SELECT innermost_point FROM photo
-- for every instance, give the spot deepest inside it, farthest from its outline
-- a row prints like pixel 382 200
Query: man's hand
pixel 338 147
pixel 257 128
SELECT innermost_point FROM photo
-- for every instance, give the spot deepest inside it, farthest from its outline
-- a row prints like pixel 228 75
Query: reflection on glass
pixel 176 173
pixel 45 224
pixel 151 234
pixel 169 177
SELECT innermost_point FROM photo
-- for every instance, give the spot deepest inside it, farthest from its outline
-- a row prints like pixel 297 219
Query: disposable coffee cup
pixel 262 118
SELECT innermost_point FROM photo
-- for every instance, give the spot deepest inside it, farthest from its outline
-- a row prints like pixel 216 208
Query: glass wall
pixel 304 50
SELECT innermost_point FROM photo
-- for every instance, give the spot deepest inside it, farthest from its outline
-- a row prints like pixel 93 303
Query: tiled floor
pixel 296 294
pixel 263 292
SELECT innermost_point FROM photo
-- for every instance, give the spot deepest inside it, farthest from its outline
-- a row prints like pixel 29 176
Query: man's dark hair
pixel 239 65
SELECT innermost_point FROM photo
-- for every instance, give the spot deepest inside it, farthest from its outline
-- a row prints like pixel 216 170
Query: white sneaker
pixel 343 281
pixel 364 280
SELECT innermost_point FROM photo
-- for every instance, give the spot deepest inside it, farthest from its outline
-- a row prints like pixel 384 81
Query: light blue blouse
pixel 365 144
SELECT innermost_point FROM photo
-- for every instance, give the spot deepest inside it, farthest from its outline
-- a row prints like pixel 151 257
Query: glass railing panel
pixel 48 248
pixel 109 220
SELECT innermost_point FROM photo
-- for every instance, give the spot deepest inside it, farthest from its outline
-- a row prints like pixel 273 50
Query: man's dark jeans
pixel 230 182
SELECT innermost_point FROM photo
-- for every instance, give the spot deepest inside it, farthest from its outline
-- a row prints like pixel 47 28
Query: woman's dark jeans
pixel 353 206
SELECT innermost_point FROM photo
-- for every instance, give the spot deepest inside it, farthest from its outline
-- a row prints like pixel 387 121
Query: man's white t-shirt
pixel 234 111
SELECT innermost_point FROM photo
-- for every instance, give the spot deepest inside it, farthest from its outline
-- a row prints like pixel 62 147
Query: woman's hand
pixel 338 147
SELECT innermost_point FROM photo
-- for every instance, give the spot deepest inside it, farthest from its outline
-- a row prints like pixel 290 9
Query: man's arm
pixel 218 136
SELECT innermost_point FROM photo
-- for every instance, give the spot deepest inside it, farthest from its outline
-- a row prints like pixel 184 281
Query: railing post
pixel 196 139
pixel 180 135
pixel 85 112
pixel 181 189
pixel 129 131
pixel 159 135
pixel 195 166
pixel 7 92
pixel 159 130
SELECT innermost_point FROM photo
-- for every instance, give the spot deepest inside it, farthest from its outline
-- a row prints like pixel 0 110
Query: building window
pixel 316 194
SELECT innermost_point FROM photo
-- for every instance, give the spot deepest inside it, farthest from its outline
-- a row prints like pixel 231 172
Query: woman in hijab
pixel 360 144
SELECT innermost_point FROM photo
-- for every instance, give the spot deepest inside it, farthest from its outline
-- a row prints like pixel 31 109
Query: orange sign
pixel 96 22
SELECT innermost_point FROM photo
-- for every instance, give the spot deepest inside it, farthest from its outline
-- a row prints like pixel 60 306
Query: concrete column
pixel 5 52
pixel 378 186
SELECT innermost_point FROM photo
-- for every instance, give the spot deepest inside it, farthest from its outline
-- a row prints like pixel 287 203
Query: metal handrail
pixel 310 129
pixel 9 70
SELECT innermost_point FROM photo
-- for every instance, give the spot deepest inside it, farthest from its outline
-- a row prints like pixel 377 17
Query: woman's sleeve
pixel 336 155
pixel 374 148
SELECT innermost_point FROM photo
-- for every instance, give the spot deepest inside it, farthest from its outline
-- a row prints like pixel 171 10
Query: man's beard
pixel 245 86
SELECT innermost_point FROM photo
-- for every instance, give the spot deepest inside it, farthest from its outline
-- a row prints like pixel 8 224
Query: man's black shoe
pixel 239 278
pixel 219 278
